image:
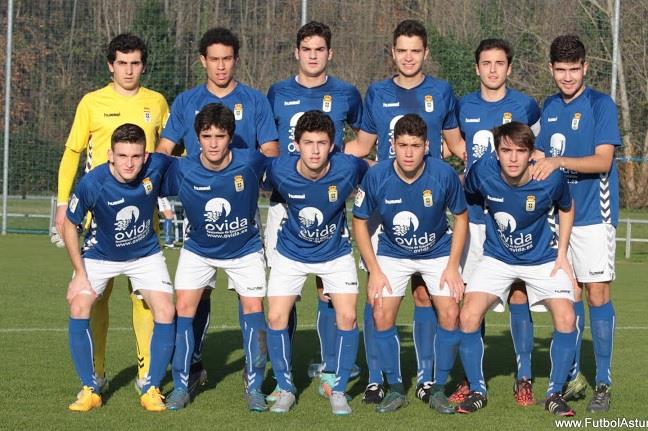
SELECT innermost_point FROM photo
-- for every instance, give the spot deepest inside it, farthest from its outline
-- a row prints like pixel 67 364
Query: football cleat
pixel 523 393
pixel 274 395
pixel 473 402
pixel 576 388
pixel 197 378
pixel 373 394
pixel 178 399
pixel 392 402
pixel 423 391
pixel 139 385
pixel 339 404
pixel 314 370
pixel 285 402
pixel 556 405
pixel 601 400
pixel 102 384
pixel 439 402
pixel 256 401
pixel 152 400
pixel 327 383
pixel 460 394
pixel 86 400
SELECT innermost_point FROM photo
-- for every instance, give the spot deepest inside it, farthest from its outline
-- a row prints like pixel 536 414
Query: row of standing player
pixel 409 61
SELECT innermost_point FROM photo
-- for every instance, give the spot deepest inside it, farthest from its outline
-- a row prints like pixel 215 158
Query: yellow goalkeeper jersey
pixel 98 114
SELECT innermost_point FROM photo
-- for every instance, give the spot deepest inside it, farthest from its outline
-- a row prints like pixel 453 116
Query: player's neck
pixel 311 174
pixel 408 177
pixel 519 180
pixel 408 82
pixel 569 99
pixel 219 91
pixel 216 166
pixel 492 95
pixel 124 92
pixel 311 81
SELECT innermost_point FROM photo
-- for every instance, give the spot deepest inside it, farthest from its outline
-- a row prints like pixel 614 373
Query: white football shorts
pixel 592 250
pixel 399 272
pixel 473 249
pixel 277 213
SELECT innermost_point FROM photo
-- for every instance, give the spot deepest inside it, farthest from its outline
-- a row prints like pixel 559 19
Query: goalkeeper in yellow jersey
pixel 98 114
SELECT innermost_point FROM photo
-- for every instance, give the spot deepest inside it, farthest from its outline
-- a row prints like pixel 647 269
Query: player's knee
pixel 448 317
pixel 346 320
pixel 185 308
pixel 421 296
pixel 598 295
pixel 382 320
pixel 79 309
pixel 518 294
pixel 469 321
pixel 277 320
pixel 251 305
pixel 164 312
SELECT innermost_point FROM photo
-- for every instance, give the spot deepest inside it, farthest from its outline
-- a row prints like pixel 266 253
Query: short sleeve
pixel 450 120
pixel 606 123
pixel 80 202
pixel 174 128
pixel 368 123
pixel 79 136
pixel 354 115
pixel 172 178
pixel 562 195
pixel 364 204
pixel 455 198
pixel 264 121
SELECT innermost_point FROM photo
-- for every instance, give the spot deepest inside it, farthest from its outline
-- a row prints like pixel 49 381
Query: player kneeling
pixel 411 194
pixel 121 197
pixel 520 244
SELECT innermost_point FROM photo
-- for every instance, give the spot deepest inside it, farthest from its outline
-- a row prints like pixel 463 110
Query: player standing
pixel 386 101
pixel 579 135
pixel 121 196
pixel 479 112
pixel 520 244
pixel 314 240
pixel 312 88
pixel 411 195
pixel 98 114
pixel 255 129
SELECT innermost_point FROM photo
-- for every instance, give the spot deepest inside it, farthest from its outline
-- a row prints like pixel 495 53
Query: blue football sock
pixel 371 351
pixel 254 346
pixel 423 329
pixel 446 344
pixel 388 345
pixel 602 322
pixel 346 351
pixel 471 351
pixel 292 322
pixel 81 350
pixel 168 231
pixel 184 346
pixel 561 353
pixel 327 333
pixel 162 343
pixel 522 334
pixel 579 309
pixel 280 351
pixel 200 326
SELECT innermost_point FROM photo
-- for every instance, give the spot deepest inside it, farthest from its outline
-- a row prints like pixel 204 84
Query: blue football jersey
pixel 221 206
pixel 254 122
pixel 385 103
pixel 316 229
pixel 336 98
pixel 478 117
pixel 575 129
pixel 519 219
pixel 122 213
pixel 413 216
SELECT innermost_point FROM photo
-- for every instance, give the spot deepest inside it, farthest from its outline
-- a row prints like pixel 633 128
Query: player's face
pixel 410 152
pixel 408 53
pixel 126 160
pixel 314 149
pixel 214 143
pixel 127 70
pixel 493 68
pixel 513 159
pixel 569 77
pixel 313 56
pixel 219 64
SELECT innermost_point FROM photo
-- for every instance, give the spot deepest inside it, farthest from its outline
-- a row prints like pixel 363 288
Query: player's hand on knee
pixel 375 285
pixel 562 263
pixel 79 285
pixel 452 279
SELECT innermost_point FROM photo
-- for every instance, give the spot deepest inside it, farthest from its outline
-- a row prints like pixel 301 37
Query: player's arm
pixel 377 280
pixel 79 283
pixel 270 149
pixel 451 275
pixel 454 141
pixel 598 163
pixel 361 146
pixel 67 173
pixel 165 146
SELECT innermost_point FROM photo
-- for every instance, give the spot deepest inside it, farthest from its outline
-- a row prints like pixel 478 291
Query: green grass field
pixel 38 379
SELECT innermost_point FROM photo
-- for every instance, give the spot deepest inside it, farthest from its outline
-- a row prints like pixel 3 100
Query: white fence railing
pixel 628 239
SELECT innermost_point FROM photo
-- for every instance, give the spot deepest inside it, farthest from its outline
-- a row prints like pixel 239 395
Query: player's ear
pixel 585 67
pixel 425 56
pixel 146 156
pixel 203 60
pixel 477 69
pixel 508 70
pixel 427 146
pixel 111 156
pixel 297 53
pixel 111 68
pixel 330 54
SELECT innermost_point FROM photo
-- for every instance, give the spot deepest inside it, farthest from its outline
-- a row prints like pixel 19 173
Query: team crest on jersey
pixel 576 120
pixel 332 193
pixel 530 203
pixel 148 185
pixel 359 198
pixel 239 184
pixel 238 111
pixel 147 115
pixel 507 118
pixel 327 103
pixel 429 103
pixel 427 198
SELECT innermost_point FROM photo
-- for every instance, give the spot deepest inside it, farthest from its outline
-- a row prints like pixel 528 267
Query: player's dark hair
pixel 567 48
pixel 126 43
pixel 410 28
pixel 315 28
pixel 315 121
pixel 517 133
pixel 217 115
pixel 220 35
pixel 488 44
pixel 131 133
pixel 411 125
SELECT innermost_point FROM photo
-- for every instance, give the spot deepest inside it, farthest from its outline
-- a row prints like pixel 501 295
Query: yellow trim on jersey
pixel 98 114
